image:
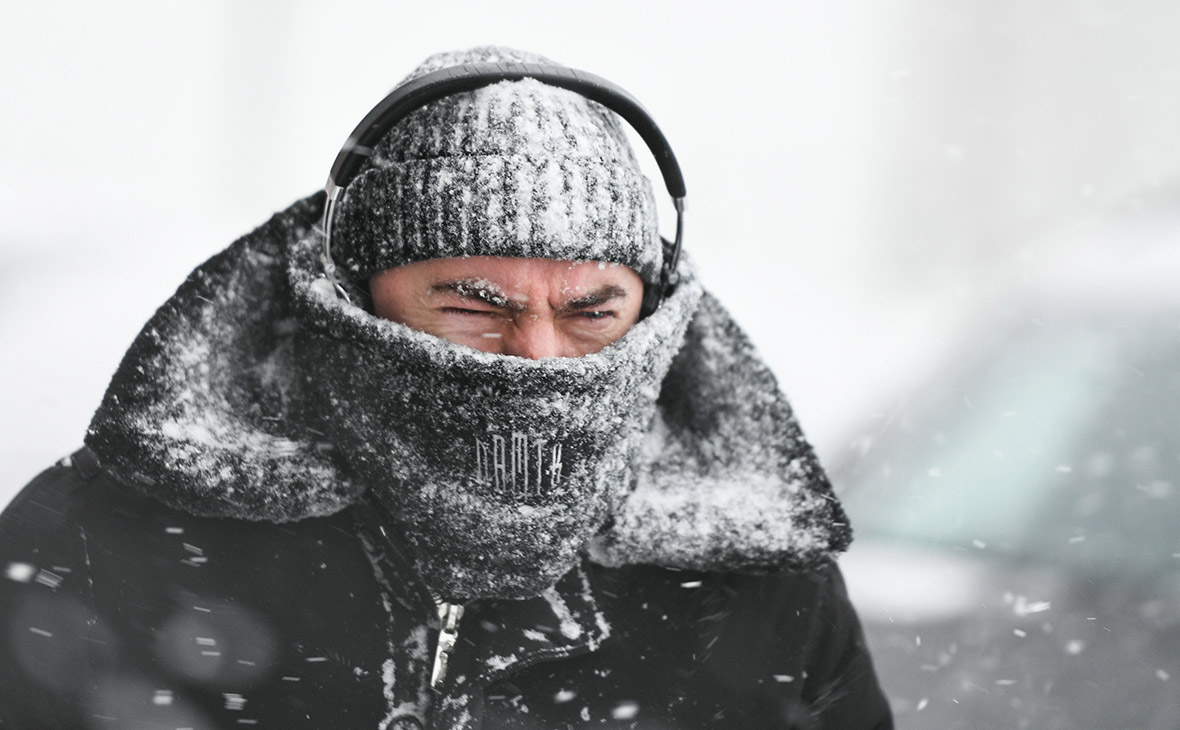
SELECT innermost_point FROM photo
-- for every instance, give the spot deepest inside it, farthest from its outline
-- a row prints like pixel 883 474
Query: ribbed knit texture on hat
pixel 514 169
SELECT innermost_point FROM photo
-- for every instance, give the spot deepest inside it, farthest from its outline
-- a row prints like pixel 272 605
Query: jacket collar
pixel 205 414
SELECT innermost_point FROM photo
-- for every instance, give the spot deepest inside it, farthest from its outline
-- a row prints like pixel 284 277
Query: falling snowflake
pixel 20 572
pixel 625 711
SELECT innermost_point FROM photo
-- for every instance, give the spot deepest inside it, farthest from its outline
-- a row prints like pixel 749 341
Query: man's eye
pixel 465 312
pixel 597 314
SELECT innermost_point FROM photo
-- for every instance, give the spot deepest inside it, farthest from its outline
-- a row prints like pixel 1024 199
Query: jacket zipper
pixel 449 615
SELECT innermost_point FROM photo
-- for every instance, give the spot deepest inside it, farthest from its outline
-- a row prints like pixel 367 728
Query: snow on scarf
pixel 497 468
pixel 210 412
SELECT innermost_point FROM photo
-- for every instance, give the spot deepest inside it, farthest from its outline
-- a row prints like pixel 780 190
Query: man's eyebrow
pixel 599 296
pixel 479 290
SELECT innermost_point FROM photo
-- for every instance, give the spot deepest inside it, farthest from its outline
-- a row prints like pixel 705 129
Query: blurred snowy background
pixel 867 182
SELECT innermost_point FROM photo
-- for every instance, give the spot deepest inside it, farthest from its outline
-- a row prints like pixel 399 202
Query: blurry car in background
pixel 1017 552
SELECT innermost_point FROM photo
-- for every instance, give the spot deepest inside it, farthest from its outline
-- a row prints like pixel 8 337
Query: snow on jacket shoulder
pixel 117 611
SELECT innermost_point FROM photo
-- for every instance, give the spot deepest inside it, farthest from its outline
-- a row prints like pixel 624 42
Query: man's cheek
pixel 484 335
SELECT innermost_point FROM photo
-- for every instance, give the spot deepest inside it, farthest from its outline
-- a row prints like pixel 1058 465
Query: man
pixel 460 470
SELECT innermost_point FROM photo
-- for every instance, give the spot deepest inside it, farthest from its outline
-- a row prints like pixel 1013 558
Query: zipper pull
pixel 448 615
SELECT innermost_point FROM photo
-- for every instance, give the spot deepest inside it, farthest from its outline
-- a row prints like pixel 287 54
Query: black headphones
pixel 429 87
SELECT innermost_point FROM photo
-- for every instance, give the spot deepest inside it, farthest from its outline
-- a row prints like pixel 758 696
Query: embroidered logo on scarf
pixel 518 465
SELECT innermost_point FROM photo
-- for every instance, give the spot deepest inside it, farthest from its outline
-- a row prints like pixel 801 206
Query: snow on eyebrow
pixel 601 295
pixel 490 293
pixel 480 289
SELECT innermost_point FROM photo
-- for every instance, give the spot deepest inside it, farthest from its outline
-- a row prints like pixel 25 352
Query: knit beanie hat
pixel 514 169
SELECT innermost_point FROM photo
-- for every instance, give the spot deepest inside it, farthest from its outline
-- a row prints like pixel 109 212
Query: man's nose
pixel 534 338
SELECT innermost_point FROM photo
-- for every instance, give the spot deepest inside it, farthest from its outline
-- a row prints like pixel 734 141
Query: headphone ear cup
pixel 653 294
pixel 651 299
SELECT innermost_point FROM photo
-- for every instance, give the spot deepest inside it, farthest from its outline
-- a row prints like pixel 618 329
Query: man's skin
pixel 533 308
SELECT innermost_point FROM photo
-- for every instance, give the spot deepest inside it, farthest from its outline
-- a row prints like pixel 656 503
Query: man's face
pixel 527 307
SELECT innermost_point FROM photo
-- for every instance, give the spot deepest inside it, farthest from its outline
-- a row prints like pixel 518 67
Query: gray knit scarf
pixel 497 469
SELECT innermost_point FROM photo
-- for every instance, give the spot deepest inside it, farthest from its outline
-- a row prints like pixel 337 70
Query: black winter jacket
pixel 119 612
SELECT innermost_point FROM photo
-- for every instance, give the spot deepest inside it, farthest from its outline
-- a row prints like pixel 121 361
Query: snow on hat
pixel 513 169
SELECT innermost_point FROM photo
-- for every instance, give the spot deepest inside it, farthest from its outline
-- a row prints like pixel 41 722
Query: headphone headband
pixel 435 85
